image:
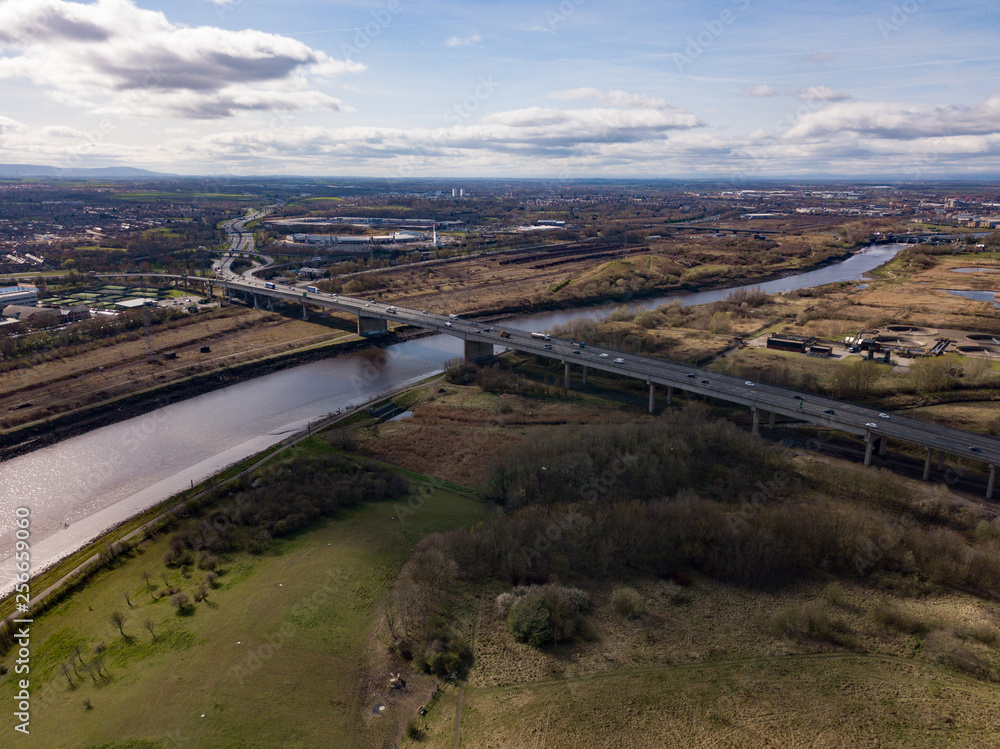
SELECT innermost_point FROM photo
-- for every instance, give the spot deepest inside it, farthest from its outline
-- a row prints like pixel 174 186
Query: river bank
pixel 23 439
pixel 64 426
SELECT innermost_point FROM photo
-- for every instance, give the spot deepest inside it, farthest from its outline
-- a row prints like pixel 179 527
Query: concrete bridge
pixel 769 401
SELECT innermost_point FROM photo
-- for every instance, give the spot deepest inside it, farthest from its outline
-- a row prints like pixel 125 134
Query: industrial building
pixel 25 295
pixel 789 342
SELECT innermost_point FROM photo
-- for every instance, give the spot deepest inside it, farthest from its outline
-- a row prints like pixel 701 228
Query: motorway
pixel 867 423
pixel 873 426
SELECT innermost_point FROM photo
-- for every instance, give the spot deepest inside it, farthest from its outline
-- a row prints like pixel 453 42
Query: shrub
pixel 529 620
pixel 811 621
pixel 182 603
pixel 944 646
pixel 890 614
pixel 543 614
pixel 628 603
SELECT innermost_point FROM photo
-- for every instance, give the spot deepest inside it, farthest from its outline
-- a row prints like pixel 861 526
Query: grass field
pixel 824 700
pixel 278 656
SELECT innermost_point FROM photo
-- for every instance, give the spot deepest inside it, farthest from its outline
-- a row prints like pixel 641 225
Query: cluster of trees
pixel 639 461
pixel 283 498
pixel 687 494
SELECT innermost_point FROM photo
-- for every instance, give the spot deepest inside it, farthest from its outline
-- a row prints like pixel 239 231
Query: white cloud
pixel 818 93
pixel 761 90
pixel 898 121
pixel 134 60
pixel 613 98
pixel 464 41
pixel 811 93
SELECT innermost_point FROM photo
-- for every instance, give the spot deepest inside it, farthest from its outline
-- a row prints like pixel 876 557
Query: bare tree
pixel 150 624
pixel 65 672
pixel 118 620
pixel 128 600
pixel 146 578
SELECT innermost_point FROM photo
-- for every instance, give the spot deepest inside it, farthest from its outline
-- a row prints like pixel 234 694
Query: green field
pixel 272 658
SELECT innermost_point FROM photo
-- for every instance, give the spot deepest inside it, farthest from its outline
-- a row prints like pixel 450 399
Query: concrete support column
pixel 477 350
pixel 652 398
pixel 882 444
pixel 566 375
pixel 756 421
pixel 584 375
pixel 670 394
pixel 770 420
pixel 368 325
pixel 304 315
pixel 991 482
pixel 940 460
pixel 868 451
pixel 927 465
pixel 255 305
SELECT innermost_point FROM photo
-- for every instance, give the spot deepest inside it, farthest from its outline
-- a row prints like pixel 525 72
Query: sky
pixel 554 89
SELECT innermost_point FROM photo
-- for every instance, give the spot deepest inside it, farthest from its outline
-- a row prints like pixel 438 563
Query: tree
pixel 149 624
pixel 855 380
pixel 118 620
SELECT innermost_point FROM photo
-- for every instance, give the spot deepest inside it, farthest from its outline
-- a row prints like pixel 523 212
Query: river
pixel 78 488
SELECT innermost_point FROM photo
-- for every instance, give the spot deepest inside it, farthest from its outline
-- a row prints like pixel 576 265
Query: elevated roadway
pixel 874 427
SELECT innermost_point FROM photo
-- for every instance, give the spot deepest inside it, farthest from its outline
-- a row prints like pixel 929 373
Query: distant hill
pixel 35 170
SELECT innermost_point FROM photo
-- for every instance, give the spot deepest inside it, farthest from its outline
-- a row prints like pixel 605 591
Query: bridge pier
pixel 991 482
pixel 255 305
pixel 883 442
pixel 868 450
pixel 771 420
pixel 304 315
pixel 584 375
pixel 652 398
pixel 670 394
pixel 927 465
pixel 477 350
pixel 566 375
pixel 756 421
pixel 368 325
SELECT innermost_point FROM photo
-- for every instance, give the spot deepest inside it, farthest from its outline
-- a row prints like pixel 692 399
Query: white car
pixel 604 356
pixel 871 425
pixel 619 360
pixel 748 384
pixel 883 416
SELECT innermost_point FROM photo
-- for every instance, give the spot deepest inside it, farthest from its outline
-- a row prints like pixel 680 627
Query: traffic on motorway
pixel 841 415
